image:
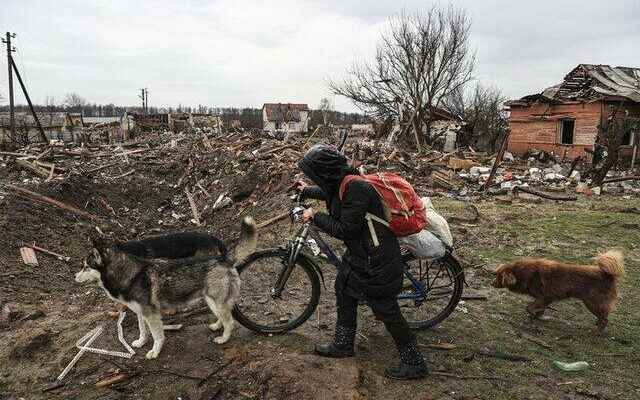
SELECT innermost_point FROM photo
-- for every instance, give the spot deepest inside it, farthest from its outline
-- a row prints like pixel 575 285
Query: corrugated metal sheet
pixel 589 82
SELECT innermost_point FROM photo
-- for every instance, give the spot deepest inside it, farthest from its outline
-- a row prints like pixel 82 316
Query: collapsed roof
pixel 589 82
pixel 284 112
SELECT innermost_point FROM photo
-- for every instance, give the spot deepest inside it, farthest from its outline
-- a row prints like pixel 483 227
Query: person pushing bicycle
pixel 370 271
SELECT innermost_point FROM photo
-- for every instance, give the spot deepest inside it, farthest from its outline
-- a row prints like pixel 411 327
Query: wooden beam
pixel 48 200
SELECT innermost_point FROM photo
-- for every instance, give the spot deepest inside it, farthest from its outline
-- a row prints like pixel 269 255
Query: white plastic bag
pixel 423 245
pixel 436 223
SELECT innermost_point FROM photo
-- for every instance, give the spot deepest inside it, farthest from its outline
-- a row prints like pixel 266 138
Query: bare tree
pixel 50 103
pixel 325 108
pixel 421 58
pixel 611 134
pixel 481 109
pixel 74 102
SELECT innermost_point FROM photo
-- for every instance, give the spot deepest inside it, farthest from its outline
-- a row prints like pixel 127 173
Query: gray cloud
pixel 236 52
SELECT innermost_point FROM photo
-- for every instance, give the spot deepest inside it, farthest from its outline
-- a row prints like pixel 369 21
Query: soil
pixel 43 312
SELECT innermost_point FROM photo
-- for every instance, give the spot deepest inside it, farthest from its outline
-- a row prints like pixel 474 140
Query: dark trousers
pixel 386 310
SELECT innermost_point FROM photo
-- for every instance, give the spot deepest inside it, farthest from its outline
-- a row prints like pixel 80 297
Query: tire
pixel 445 307
pixel 257 280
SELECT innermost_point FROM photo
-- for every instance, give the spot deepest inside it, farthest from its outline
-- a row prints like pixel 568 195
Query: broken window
pixel 566 128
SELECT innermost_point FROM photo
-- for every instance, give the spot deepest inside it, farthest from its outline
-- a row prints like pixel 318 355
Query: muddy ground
pixel 44 312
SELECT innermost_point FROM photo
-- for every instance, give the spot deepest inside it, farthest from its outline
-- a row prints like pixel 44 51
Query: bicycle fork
pixel 285 272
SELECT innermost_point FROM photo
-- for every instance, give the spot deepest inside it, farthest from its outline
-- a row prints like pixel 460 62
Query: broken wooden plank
pixel 123 175
pixel 194 209
pixel 102 167
pixel 49 252
pixel 502 355
pixel 33 168
pixel 467 377
pixel 48 200
pixel 29 256
pixel 494 168
pixel 543 195
pixel 622 179
pixel 273 220
pixel 537 341
pixel 113 379
pixel 130 152
pixel 11 153
pixel 442 346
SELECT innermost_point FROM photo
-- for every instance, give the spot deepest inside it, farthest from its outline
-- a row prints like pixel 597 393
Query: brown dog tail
pixel 611 263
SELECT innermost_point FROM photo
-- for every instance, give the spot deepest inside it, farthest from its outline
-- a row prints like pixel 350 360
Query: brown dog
pixel 548 281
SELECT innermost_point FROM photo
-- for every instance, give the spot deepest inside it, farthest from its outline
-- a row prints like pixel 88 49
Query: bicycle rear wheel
pixel 261 312
pixel 442 281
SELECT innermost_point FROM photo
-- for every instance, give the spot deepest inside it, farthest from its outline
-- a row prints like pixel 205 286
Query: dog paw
pixel 215 326
pixel 138 343
pixel 221 340
pixel 152 354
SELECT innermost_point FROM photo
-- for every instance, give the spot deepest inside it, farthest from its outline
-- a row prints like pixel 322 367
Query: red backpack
pixel 407 212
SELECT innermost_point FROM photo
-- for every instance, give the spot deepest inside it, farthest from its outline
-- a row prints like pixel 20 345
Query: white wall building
pixel 285 117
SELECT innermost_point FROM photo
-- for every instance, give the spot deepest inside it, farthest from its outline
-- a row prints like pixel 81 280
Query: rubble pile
pixel 466 173
pixel 202 179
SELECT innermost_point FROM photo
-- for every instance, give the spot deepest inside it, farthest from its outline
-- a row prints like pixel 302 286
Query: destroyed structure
pixel 285 117
pixel 564 118
pixel 110 129
pixel 56 125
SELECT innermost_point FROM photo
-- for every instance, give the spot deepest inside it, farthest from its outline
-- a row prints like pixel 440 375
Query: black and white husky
pixel 148 285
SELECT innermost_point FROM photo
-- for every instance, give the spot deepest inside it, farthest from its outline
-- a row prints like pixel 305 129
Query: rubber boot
pixel 412 364
pixel 342 345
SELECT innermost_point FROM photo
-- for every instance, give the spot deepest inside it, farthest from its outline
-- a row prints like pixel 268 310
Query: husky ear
pixel 97 240
pixel 97 257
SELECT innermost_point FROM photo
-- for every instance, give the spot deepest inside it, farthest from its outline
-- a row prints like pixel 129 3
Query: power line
pixel 10 49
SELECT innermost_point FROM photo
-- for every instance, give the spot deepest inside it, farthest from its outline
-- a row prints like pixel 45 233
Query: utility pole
pixel 14 67
pixel 10 49
pixel 146 101
pixel 144 111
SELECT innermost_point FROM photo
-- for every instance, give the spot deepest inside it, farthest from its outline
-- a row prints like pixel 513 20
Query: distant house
pixel 565 118
pixel 285 117
pixel 56 125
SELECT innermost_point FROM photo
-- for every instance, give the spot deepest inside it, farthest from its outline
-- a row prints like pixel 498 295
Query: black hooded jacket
pixel 373 271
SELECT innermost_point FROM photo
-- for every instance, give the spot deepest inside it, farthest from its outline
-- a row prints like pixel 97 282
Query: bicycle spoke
pixel 259 310
pixel 440 292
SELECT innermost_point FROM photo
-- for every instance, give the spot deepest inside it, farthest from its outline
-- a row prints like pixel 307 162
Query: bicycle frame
pixel 300 240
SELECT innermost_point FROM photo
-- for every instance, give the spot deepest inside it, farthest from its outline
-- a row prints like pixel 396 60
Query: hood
pixel 326 167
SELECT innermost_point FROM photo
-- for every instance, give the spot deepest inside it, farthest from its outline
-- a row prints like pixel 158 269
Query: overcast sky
pixel 245 53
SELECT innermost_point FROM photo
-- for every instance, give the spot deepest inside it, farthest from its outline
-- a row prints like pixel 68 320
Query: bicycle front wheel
pixel 260 311
pixel 431 291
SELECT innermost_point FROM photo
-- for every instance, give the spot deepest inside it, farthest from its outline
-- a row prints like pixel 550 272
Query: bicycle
pixel 295 284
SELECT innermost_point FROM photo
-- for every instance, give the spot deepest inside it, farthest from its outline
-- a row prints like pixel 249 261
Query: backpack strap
pixel 345 181
pixel 370 218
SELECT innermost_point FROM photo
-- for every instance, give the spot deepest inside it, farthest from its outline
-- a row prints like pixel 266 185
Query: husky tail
pixel 611 263
pixel 248 239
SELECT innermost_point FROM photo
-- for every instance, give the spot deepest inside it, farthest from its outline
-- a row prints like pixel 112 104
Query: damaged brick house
pixel 287 117
pixel 564 118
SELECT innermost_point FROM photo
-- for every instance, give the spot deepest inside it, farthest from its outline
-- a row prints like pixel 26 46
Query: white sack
pixel 424 245
pixel 436 223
